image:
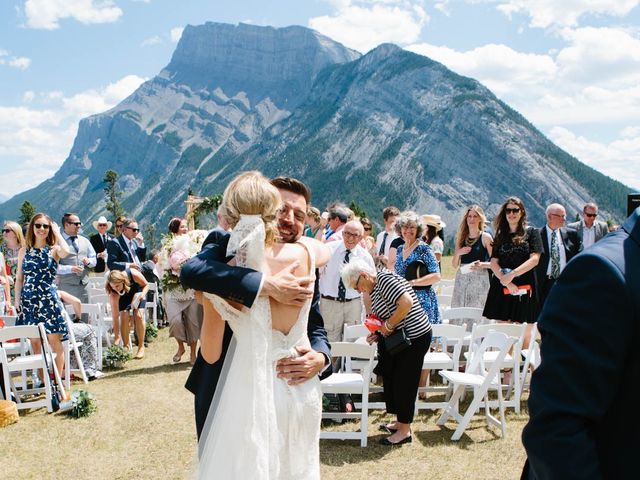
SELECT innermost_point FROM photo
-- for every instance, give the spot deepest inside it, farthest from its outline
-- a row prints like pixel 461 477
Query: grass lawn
pixel 144 429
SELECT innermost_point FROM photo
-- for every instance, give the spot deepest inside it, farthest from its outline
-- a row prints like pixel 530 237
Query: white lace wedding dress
pixel 260 427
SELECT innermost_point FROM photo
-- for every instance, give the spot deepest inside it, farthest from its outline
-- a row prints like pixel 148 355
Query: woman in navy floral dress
pixel 414 249
pixel 37 299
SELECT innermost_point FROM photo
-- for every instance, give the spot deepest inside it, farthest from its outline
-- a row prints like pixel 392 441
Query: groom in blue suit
pixel 208 271
pixel 583 418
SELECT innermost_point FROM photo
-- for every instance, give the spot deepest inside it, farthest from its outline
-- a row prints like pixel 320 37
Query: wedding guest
pixel 13 242
pixel 127 292
pixel 119 225
pixel 433 234
pixel 73 270
pixel 396 304
pixel 5 285
pixel 37 299
pixel 127 250
pixel 589 229
pixel 516 252
pixel 369 240
pixel 313 228
pixel 183 312
pixel 471 258
pixel 99 242
pixel 384 238
pixel 390 261
pixel 415 256
pixel 338 217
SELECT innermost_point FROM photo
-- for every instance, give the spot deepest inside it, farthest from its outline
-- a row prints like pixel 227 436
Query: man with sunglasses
pixel 589 229
pixel 127 250
pixel 73 270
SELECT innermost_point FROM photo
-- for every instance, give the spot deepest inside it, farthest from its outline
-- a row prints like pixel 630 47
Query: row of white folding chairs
pixel 97 295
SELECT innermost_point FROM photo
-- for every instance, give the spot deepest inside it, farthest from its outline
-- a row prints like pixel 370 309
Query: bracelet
pixel 388 326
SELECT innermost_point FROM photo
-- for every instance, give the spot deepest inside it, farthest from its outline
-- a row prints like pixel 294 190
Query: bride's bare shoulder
pixel 321 251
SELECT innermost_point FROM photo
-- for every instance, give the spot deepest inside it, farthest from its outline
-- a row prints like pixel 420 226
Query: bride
pixel 259 426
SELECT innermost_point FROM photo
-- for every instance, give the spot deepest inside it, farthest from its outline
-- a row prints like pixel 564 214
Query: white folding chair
pixel 350 383
pixel 444 302
pixel 512 360
pixel 447 358
pixel 97 282
pixel 481 380
pixel 21 363
pixel 531 357
pixel 455 315
pixel 94 292
pixel 153 304
pixel 70 345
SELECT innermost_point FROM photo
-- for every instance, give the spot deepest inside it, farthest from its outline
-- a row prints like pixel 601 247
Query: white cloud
pixel 37 138
pixel 176 33
pixel 21 63
pixel 28 96
pixel 545 13
pixel 147 42
pixel 619 159
pixel 365 24
pixel 46 14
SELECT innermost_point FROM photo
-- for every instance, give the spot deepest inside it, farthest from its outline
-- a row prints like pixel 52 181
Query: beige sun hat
pixel 434 221
pixel 100 220
pixel 8 413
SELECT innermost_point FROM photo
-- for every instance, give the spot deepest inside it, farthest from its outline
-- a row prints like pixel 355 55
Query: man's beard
pixel 288 234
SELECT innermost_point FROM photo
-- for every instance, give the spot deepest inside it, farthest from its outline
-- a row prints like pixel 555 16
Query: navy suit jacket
pixel 209 272
pixel 583 420
pixel 118 254
pixel 99 247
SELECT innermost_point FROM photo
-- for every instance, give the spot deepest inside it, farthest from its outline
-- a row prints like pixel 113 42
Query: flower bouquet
pixel 84 404
pixel 372 322
pixel 176 250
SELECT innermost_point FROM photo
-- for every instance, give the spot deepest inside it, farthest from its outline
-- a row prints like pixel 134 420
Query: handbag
pixel 397 342
pixel 415 270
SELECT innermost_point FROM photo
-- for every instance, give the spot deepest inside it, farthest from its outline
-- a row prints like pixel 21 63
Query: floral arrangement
pixel 116 356
pixel 84 404
pixel 176 250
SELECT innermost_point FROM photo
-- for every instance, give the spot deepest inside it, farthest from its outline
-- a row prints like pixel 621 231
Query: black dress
pixel 124 302
pixel 517 308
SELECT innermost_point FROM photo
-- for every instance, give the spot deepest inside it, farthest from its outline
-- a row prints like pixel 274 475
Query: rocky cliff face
pixel 390 127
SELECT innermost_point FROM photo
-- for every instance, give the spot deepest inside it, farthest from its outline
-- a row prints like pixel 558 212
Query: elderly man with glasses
pixel 589 229
pixel 340 305
pixel 73 270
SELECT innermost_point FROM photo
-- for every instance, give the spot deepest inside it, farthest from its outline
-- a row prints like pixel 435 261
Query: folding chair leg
pixel 462 426
pixel 452 407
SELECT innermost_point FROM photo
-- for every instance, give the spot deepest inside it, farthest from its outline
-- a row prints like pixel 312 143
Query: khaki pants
pixel 337 314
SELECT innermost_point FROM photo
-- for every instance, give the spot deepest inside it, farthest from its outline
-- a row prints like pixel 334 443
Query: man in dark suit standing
pixel 583 423
pixel 559 245
pixel 208 271
pixel 589 229
pixel 99 242
pixel 127 250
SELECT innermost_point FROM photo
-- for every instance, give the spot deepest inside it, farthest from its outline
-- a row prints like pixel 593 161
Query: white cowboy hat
pixel 434 221
pixel 100 220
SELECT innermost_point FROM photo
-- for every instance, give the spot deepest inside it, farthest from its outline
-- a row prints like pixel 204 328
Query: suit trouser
pixel 338 314
pixel 401 377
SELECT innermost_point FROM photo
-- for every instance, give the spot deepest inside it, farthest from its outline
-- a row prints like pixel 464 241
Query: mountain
pixel 389 127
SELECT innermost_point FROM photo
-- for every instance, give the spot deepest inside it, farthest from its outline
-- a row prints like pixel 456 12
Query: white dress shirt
pixel 391 236
pixel 588 235
pixel 330 273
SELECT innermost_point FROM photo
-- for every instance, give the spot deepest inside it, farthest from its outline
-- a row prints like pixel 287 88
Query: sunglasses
pixel 367 229
pixel 44 226
pixel 591 215
pixel 511 210
pixel 102 224
pixel 6 230
pixel 77 224
pixel 118 225
pixel 133 229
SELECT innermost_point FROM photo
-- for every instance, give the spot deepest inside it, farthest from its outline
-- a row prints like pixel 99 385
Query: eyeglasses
pixel 512 210
pixel 77 224
pixel 102 224
pixel 44 226
pixel 558 215
pixel 350 235
pixel 133 229
pixel 591 215
pixel 6 230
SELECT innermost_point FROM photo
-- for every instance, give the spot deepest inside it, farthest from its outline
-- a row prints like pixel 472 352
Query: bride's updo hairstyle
pixel 250 193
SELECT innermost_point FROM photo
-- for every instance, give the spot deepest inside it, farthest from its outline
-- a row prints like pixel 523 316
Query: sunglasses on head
pixel 133 229
pixel 512 210
pixel 77 224
pixel 591 215
pixel 41 225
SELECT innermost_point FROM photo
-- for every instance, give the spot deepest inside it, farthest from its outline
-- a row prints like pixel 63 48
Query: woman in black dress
pixel 516 251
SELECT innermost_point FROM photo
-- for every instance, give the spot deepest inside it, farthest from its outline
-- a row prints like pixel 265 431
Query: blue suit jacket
pixel 209 272
pixel 118 254
pixel 583 419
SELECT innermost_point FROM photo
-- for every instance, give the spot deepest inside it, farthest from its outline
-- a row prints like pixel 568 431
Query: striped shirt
pixel 384 296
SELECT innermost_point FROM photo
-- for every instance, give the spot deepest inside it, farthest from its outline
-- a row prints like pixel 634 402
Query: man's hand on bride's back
pixel 298 370
pixel 286 288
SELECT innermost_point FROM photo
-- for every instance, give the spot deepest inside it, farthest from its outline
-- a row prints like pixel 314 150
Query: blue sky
pixel 572 67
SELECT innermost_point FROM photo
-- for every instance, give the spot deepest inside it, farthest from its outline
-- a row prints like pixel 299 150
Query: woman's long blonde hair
pixel 117 276
pixel 17 230
pixel 250 193
pixel 463 229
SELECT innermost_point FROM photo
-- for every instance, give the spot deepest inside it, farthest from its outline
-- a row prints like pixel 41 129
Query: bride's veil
pixel 240 428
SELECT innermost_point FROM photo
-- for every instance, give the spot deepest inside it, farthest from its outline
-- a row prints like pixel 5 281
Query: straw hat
pixel 8 413
pixel 100 220
pixel 434 221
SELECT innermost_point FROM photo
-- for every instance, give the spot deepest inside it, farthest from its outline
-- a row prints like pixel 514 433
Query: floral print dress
pixel 39 297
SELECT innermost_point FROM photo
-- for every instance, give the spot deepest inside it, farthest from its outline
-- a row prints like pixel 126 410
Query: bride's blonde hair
pixel 250 193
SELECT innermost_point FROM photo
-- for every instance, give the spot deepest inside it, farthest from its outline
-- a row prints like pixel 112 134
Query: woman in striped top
pixel 396 304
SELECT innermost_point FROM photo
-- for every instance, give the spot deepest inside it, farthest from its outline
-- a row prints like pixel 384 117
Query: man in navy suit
pixel 566 245
pixel 208 271
pixel 127 250
pixel 583 419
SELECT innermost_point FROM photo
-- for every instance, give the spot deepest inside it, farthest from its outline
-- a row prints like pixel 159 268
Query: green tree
pixel 208 205
pixel 112 194
pixel 150 237
pixel 27 210
pixel 357 209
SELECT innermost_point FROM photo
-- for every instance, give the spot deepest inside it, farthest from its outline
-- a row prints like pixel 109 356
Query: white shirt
pixel 391 236
pixel 563 254
pixel 330 273
pixel 588 235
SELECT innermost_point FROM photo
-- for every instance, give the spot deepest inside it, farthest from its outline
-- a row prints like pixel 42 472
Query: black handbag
pixel 397 342
pixel 415 270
